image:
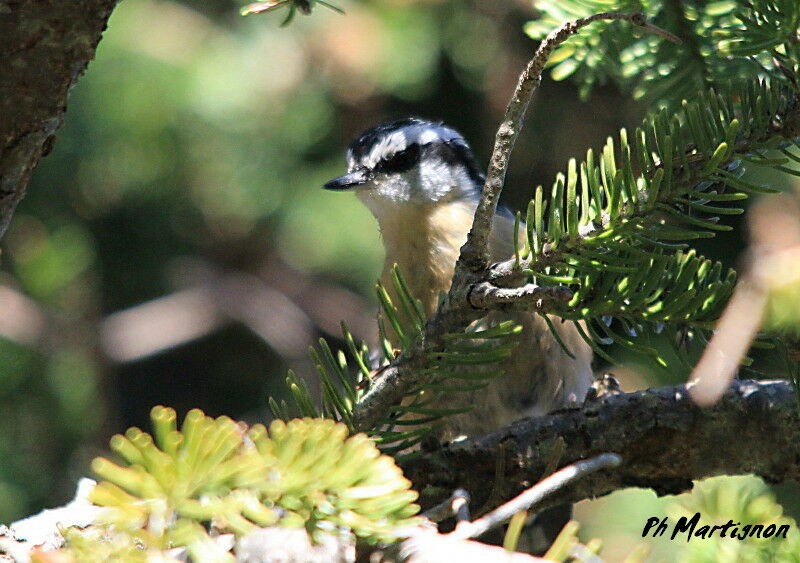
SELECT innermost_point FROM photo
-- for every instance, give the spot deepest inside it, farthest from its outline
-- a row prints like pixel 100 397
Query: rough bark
pixel 664 439
pixel 45 47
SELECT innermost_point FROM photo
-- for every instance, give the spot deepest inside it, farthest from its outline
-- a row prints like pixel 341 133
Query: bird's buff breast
pixel 425 244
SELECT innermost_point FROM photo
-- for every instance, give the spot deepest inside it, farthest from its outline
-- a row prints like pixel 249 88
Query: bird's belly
pixel 538 378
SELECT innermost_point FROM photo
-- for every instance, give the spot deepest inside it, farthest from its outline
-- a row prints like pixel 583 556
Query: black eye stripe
pixel 448 152
pixel 407 158
pixel 400 161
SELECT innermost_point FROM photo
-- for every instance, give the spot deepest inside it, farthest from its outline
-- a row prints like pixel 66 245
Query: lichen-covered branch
pixel 664 439
pixel 45 48
pixel 529 297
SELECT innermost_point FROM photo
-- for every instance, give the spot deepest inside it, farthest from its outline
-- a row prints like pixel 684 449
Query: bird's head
pixel 409 162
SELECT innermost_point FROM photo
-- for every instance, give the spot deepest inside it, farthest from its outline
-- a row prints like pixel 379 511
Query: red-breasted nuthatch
pixel 421 182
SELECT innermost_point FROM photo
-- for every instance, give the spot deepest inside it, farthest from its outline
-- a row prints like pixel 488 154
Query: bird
pixel 421 181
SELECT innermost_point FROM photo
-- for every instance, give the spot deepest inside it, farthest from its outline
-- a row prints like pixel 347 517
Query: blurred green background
pixel 175 247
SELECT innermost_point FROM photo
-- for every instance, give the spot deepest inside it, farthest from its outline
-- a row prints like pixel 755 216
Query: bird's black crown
pixel 399 145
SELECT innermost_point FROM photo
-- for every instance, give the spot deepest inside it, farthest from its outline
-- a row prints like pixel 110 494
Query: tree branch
pixel 535 494
pixel 529 297
pixel 46 46
pixel 475 253
pixel 456 505
pixel 664 439
pixel 472 268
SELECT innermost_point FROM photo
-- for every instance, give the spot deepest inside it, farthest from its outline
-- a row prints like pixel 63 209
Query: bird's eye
pixel 400 161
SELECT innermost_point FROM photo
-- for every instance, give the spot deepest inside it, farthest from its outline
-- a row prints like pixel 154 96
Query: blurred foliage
pixel 293 6
pixel 196 142
pixel 740 499
pixel 215 473
pixel 723 40
pixel 198 138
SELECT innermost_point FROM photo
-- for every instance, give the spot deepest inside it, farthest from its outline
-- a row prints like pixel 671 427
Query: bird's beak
pixel 348 181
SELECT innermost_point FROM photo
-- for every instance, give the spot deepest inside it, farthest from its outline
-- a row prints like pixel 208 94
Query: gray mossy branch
pixel 45 48
pixel 664 439
pixel 529 297
pixel 472 268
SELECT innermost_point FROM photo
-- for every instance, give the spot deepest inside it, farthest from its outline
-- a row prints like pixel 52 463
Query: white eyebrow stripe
pixel 386 147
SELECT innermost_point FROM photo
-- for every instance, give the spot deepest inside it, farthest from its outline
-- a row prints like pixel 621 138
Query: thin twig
pixel 457 505
pixel 535 494
pixel 528 297
pixel 475 254
pixel 734 332
pixel 425 545
pixel 639 19
pixel 460 506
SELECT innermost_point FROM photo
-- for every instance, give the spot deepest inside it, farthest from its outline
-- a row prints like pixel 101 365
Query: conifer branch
pixel 529 297
pixel 474 254
pixel 664 439
pixel 605 247
pixel 457 312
